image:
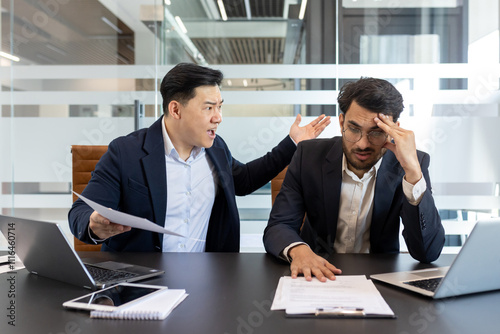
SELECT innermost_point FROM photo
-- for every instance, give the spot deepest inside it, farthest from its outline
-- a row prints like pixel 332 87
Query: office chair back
pixel 276 184
pixel 85 157
pixel 276 187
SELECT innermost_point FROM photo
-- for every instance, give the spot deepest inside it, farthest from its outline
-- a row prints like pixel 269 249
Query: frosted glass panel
pixel 399 49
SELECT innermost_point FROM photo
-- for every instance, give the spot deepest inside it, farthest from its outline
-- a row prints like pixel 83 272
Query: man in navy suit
pixel 179 174
pixel 354 189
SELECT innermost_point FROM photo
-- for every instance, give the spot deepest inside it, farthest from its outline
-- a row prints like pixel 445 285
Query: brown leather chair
pixel 276 187
pixel 276 184
pixel 85 157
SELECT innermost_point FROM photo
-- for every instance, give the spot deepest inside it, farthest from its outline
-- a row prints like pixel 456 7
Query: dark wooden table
pixel 232 293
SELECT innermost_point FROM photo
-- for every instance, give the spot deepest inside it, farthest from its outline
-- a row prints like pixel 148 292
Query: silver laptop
pixel 44 250
pixel 476 268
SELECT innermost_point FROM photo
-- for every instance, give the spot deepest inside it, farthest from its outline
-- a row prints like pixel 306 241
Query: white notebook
pixel 158 307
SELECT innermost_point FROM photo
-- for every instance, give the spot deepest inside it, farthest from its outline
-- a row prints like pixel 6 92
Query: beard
pixel 355 163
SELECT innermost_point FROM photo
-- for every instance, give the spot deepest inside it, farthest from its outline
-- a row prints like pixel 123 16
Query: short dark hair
pixel 376 95
pixel 181 81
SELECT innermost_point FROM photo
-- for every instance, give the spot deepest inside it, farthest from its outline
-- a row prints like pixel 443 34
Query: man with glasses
pixel 355 189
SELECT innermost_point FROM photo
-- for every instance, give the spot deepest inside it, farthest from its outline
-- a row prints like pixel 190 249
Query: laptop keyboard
pixel 102 275
pixel 429 284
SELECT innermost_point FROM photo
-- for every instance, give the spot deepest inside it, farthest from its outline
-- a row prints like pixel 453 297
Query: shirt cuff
pixel 284 253
pixel 96 241
pixel 414 193
pixel 293 141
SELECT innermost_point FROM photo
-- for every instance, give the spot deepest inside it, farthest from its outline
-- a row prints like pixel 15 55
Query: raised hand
pixel 310 131
pixel 403 147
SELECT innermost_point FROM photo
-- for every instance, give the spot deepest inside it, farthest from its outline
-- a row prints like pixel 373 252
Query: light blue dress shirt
pixel 191 190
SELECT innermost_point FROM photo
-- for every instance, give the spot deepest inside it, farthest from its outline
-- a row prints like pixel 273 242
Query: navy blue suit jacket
pixel 312 186
pixel 131 178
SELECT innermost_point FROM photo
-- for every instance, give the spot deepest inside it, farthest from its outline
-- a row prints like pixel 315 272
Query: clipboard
pixel 335 313
pixel 347 297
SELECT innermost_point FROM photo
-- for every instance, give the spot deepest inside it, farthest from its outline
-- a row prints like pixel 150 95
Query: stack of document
pixel 347 296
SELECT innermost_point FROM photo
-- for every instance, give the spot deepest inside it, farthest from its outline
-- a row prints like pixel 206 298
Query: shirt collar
pixel 372 172
pixel 169 146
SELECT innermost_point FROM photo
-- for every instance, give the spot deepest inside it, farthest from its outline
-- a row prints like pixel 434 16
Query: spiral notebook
pixel 157 307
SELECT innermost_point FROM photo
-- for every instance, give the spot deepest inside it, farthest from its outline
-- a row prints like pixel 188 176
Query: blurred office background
pixel 77 71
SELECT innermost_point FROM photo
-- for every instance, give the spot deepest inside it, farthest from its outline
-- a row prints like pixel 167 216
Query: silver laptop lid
pixel 45 251
pixel 477 266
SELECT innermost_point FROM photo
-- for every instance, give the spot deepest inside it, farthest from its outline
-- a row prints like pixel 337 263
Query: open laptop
pixel 44 250
pixel 476 268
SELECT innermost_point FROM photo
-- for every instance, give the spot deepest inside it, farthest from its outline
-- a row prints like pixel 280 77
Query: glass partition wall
pixel 88 71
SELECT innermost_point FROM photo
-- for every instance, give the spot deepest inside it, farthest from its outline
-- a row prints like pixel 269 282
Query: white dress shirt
pixel 355 210
pixel 191 190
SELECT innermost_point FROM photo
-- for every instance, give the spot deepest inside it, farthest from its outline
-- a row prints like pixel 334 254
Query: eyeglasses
pixel 354 135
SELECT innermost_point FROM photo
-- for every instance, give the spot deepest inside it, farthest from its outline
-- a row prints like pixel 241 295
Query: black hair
pixel 376 95
pixel 181 81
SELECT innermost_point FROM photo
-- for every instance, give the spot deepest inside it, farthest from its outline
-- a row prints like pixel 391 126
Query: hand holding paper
pixel 103 228
pixel 124 218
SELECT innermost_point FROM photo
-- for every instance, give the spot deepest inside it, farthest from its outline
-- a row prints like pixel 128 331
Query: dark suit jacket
pixel 131 178
pixel 312 186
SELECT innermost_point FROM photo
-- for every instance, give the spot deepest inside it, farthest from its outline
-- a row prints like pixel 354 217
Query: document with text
pixel 347 296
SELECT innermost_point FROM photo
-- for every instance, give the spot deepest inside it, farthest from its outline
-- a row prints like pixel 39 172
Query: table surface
pixel 232 293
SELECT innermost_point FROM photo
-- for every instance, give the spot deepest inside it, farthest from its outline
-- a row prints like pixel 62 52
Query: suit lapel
pixel 218 227
pixel 332 182
pixel 224 173
pixel 389 177
pixel 154 168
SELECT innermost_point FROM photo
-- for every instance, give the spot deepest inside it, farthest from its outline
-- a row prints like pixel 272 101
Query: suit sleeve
pixel 423 231
pixel 103 188
pixel 288 210
pixel 255 174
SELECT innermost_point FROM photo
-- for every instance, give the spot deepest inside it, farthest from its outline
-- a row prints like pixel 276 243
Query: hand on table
pixel 306 262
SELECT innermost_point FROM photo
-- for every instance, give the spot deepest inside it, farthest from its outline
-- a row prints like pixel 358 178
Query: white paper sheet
pixel 298 296
pixel 126 219
pixel 5 267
